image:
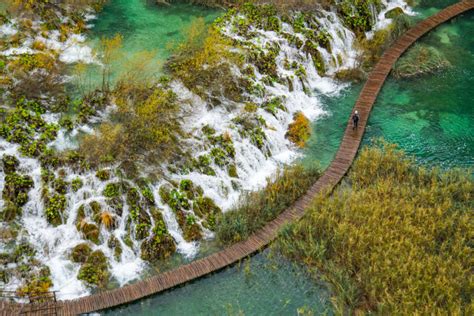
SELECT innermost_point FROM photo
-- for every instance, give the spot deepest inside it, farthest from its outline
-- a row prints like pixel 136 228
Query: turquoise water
pixel 430 117
pixel 149 31
pixel 259 286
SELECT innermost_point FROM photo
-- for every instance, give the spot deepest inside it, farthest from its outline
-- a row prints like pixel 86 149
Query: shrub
pixel 392 239
pixel 145 126
pixel 257 208
pixel 299 130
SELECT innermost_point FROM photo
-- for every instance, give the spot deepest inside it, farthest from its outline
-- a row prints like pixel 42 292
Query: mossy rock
pixel 76 184
pixel 55 206
pixel 37 285
pixel 232 171
pixel 60 186
pixel 10 163
pixel 103 175
pixel 96 209
pixel 94 272
pixel 157 248
pixel 190 189
pixel 10 212
pixel 116 204
pixel 133 196
pixel 207 209
pixel 80 253
pixel 90 231
pixel 390 14
pixel 81 214
pixel 191 229
pixel 16 188
pixel 111 190
pixel 142 231
pixel 114 243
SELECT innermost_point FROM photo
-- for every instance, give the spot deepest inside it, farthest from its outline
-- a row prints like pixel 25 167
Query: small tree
pixel 110 51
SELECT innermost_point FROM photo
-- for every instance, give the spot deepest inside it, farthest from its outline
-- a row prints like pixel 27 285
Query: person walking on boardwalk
pixel 355 120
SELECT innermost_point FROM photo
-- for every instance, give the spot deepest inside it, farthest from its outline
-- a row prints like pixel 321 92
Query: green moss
pixel 111 190
pixel 311 48
pixel 9 212
pixel 142 231
pixel 55 206
pixel 94 272
pixel 76 184
pixel 103 175
pixel 273 105
pixel 160 245
pixel 148 195
pixel 114 244
pixel 16 188
pixel 191 229
pixel 203 164
pixel 250 107
pixel 80 253
pixel 60 186
pixel 207 209
pixel 219 156
pixel 10 163
pixel 393 13
pixel 191 190
pixel 208 131
pixel 232 171
pixel 90 231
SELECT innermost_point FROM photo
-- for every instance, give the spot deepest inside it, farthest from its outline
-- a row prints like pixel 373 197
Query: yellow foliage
pixel 299 130
pixel 107 219
pixel 396 241
pixel 145 127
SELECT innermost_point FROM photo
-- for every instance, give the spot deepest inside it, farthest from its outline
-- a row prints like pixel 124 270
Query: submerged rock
pixel 419 60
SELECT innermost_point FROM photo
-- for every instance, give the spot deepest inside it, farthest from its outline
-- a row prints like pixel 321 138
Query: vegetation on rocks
pixel 94 272
pixel 394 238
pixel 299 130
pixel 160 245
pixel 420 60
pixel 258 208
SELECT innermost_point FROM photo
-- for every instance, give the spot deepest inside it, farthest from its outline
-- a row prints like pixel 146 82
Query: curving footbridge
pixel 332 176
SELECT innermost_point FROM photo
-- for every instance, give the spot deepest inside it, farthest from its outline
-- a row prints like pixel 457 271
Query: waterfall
pixel 254 165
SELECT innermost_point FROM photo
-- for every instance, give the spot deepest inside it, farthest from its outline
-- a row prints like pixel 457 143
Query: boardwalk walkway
pixel 332 176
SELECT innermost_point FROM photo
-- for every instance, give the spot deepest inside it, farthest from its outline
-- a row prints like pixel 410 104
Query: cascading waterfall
pixel 254 166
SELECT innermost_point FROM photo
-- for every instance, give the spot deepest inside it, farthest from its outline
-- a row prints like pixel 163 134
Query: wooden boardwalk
pixel 335 172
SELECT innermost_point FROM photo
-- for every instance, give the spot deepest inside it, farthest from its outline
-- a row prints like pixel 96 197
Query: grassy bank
pixel 395 238
pixel 258 208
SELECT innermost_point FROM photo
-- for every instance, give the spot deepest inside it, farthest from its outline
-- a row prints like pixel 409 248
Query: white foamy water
pixel 254 166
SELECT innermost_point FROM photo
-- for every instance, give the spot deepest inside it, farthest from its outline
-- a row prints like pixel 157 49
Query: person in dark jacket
pixel 355 120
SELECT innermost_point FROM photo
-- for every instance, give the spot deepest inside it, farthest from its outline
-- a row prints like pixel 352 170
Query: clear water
pixel 430 117
pixel 145 27
pixel 259 286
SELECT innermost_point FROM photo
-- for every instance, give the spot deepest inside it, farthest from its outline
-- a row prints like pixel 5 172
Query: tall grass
pixel 395 239
pixel 257 208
